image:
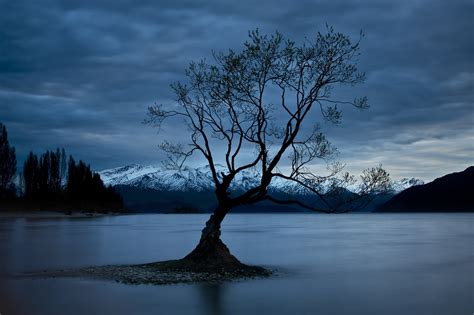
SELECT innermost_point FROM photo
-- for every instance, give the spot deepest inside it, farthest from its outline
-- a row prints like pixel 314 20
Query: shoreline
pixel 50 214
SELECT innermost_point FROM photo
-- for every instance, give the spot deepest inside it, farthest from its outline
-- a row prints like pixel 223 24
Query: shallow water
pixel 327 264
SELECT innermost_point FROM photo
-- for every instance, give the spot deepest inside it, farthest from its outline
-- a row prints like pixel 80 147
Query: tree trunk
pixel 211 253
pixel 212 230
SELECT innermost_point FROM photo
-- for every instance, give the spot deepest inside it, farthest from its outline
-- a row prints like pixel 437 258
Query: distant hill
pixel 450 193
pixel 148 200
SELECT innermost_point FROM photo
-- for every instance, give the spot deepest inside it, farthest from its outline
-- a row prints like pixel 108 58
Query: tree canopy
pixel 270 99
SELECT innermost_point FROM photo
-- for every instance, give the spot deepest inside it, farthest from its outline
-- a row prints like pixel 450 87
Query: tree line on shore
pixel 53 180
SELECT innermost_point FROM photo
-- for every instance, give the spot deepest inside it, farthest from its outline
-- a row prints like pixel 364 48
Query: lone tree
pixel 266 99
pixel 7 165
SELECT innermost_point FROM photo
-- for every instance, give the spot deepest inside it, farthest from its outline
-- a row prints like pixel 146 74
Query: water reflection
pixel 211 296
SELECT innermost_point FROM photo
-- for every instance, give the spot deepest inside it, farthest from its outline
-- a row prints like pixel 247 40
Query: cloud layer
pixel 80 74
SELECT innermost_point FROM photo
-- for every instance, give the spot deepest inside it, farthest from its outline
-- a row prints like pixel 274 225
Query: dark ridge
pixel 450 193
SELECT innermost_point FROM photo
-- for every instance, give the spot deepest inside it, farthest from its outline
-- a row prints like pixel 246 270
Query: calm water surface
pixel 328 264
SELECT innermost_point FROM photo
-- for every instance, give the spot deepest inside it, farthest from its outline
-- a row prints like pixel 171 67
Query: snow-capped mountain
pixel 200 179
pixel 405 183
pixel 194 179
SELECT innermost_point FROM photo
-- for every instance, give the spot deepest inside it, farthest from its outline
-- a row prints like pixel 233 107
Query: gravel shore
pixel 153 274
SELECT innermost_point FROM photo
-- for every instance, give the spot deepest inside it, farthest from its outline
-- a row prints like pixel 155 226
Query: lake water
pixel 327 264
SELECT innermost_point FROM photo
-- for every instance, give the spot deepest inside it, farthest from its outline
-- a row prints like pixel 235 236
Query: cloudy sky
pixel 80 74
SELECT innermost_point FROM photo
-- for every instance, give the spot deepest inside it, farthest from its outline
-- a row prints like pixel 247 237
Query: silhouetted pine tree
pixel 7 165
pixel 84 185
pixel 46 179
pixel 55 176
pixel 43 179
pixel 31 176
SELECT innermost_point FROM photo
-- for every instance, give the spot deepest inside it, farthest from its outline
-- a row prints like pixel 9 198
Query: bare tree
pixel 267 98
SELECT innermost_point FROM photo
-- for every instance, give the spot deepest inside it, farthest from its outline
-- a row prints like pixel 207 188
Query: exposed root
pixel 209 256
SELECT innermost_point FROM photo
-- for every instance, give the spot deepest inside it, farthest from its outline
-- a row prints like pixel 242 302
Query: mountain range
pixel 200 179
pixel 157 189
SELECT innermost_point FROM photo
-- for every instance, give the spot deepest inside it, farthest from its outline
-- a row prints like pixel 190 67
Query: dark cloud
pixel 80 74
